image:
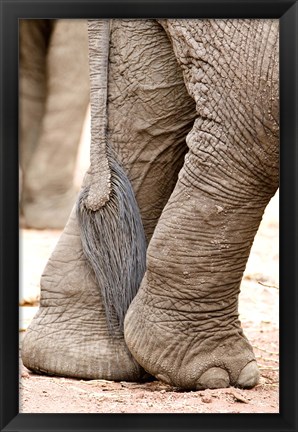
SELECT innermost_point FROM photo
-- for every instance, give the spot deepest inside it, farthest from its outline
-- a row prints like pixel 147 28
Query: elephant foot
pixel 69 334
pixel 186 349
pixel 77 347
pixel 48 212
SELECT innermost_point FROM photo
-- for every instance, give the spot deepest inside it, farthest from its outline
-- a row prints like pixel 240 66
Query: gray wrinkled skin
pixel 193 118
pixel 54 95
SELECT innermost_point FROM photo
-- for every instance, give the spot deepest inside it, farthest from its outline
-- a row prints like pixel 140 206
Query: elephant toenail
pixel 249 376
pixel 163 378
pixel 213 378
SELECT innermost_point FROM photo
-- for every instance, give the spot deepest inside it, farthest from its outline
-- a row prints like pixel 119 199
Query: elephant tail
pixel 111 228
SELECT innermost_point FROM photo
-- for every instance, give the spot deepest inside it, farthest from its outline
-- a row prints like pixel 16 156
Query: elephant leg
pixel 69 335
pixel 150 113
pixel 49 193
pixel 183 324
pixel 34 38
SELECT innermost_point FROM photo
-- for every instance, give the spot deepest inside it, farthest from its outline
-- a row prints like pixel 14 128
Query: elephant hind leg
pixel 183 324
pixel 69 335
pixel 187 305
pixel 150 113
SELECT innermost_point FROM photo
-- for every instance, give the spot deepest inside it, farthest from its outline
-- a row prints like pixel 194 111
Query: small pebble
pixel 206 399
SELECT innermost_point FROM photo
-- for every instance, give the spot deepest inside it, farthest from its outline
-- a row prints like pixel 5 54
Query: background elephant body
pixel 54 95
pixel 193 118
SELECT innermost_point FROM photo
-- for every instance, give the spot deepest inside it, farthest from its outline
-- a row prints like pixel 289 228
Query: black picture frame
pixel 11 11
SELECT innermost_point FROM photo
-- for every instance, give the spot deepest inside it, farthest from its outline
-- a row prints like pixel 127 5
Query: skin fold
pixel 193 118
pixel 54 95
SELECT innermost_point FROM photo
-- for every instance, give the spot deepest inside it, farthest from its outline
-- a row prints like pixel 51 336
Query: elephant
pixel 145 278
pixel 54 97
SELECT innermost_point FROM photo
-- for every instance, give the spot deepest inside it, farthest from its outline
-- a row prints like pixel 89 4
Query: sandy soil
pixel 258 313
pixel 258 306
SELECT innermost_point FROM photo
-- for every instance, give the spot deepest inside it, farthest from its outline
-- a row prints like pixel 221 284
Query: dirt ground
pixel 259 313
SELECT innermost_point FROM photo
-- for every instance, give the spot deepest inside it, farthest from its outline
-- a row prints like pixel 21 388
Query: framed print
pixel 156 310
